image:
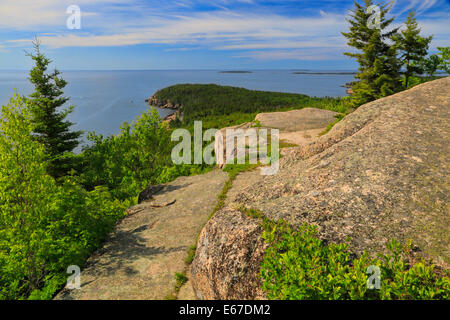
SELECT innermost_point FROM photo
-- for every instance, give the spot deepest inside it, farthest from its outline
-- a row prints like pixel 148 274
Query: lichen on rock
pixel 379 174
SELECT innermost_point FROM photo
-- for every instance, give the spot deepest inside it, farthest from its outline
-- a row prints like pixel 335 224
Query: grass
pixel 170 296
pixel 339 117
pixel 252 213
pixel 286 144
pixel 181 280
pixel 191 254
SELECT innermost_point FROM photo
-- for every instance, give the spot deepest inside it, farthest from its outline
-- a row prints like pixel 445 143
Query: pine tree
pixel 444 55
pixel 379 70
pixel 431 65
pixel 49 125
pixel 413 47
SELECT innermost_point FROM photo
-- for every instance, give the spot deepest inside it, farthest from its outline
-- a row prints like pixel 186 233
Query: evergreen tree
pixel 49 125
pixel 413 48
pixel 379 70
pixel 431 64
pixel 444 53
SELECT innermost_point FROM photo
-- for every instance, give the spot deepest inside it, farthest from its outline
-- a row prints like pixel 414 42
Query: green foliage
pixel 379 68
pixel 128 162
pixel 299 266
pixel 338 117
pixel 444 55
pixel 223 121
pixel 44 226
pixel 169 174
pixel 252 213
pixel 286 144
pixel 431 64
pixel 222 106
pixel 416 80
pixel 180 279
pixel 413 48
pixel 49 125
pixel 191 254
pixel 234 169
pixel 170 296
pixel 140 155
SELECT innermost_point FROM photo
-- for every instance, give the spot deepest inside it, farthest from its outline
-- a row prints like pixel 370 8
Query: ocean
pixel 103 100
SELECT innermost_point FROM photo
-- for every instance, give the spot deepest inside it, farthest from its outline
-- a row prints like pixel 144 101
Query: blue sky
pixel 195 34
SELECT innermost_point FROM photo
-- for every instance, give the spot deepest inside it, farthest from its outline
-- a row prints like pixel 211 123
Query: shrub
pixel 44 226
pixel 298 265
pixel 128 162
pixel 181 280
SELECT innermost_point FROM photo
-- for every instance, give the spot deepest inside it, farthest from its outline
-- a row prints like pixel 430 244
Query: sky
pixel 195 34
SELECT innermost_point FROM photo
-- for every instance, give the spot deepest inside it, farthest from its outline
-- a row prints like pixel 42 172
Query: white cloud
pixel 132 22
pixel 32 14
pixel 219 30
pixel 421 6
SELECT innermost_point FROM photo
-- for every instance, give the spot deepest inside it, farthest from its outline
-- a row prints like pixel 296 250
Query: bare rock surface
pixel 142 255
pixel 298 127
pixel 302 137
pixel 381 173
pixel 297 120
pixel 186 291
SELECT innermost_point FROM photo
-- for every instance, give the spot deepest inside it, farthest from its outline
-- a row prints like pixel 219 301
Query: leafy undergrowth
pixel 299 266
pixel 45 225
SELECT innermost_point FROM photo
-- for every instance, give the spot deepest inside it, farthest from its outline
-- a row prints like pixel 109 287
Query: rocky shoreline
pixel 155 102
pixel 162 104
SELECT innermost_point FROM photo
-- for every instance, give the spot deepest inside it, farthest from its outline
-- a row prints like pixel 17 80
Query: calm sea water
pixel 103 100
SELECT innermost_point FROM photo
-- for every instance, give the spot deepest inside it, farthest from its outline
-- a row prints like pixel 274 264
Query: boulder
pixel 224 268
pixel 381 173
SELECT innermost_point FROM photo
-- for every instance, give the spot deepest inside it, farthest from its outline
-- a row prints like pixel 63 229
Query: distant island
pixel 237 71
pixel 325 73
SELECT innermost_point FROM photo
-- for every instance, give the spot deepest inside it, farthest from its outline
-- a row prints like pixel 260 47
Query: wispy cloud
pixel 36 15
pixel 254 29
pixel 219 30
pixel 421 6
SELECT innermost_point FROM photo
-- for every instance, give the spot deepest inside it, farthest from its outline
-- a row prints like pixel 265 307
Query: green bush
pixel 44 226
pixel 128 162
pixel 47 226
pixel 138 156
pixel 299 266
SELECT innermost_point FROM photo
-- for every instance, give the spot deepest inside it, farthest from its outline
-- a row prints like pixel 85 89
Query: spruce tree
pixel 49 124
pixel 379 70
pixel 413 48
pixel 431 65
pixel 444 55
